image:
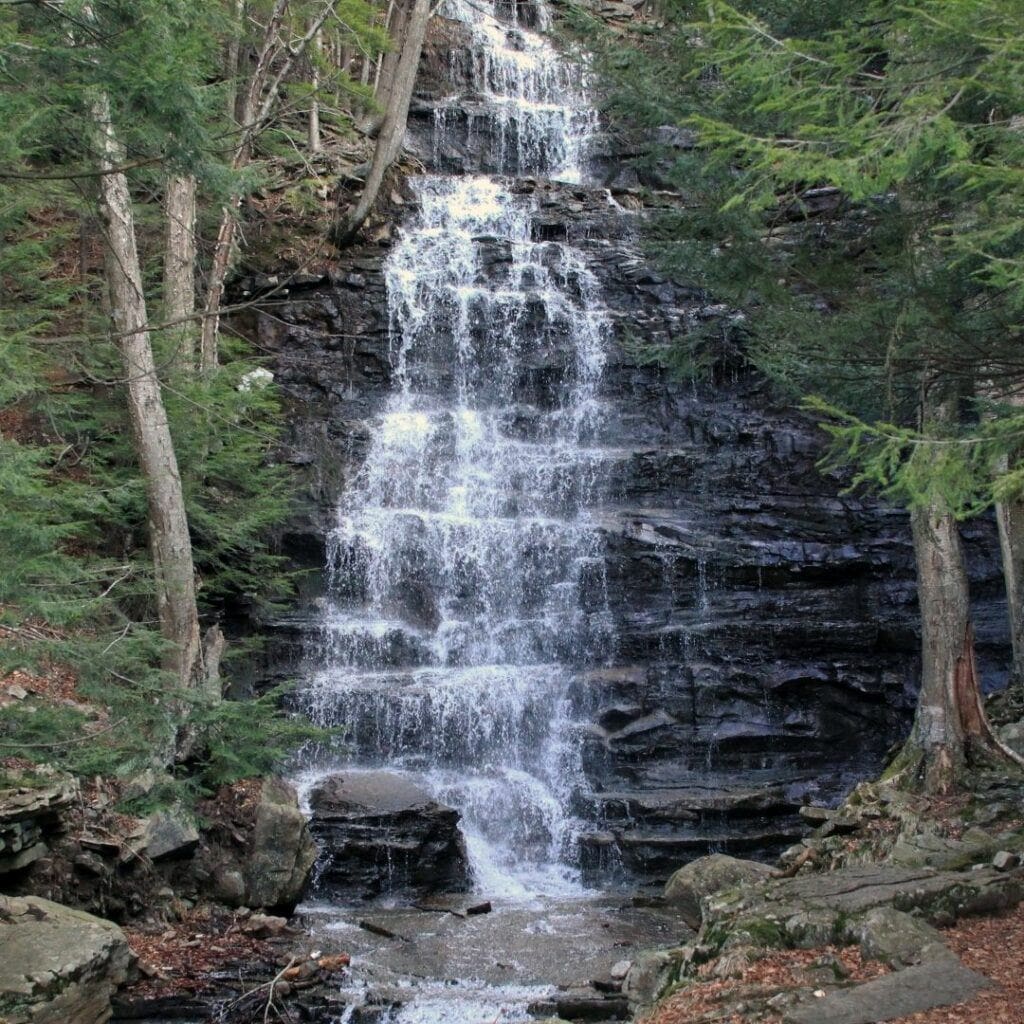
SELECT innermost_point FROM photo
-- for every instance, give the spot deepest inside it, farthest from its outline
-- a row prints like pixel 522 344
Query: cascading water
pixel 466 567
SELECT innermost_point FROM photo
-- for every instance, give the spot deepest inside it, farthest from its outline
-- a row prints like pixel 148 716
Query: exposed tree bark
pixel 231 57
pixel 395 20
pixel 314 100
pixel 180 267
pixel 169 538
pixel 950 733
pixel 258 103
pixel 1010 519
pixel 392 132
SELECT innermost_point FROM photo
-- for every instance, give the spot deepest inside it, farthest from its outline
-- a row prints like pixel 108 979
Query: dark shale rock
pixel 766 624
pixel 378 832
pixel 58 965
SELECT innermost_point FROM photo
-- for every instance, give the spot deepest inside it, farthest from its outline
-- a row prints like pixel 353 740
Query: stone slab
pixel 940 982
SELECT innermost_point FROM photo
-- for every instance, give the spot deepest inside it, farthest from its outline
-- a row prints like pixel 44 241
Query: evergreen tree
pixel 855 190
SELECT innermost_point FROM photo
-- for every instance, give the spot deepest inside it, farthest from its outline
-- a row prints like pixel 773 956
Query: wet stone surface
pixel 443 965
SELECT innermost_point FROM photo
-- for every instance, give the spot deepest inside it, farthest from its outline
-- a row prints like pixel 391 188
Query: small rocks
pixel 619 970
pixel 815 815
pixel 1005 861
pixel 265 926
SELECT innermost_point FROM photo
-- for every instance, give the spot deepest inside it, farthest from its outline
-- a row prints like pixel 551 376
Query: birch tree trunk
pixel 180 268
pixel 314 101
pixel 169 538
pixel 392 131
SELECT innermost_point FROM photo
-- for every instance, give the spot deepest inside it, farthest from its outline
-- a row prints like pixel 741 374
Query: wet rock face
pixel 765 627
pixel 380 833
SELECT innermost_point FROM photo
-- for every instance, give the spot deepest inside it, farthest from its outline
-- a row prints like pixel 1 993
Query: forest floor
pixel 993 946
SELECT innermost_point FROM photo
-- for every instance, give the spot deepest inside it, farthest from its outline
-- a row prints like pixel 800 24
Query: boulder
pixel 813 910
pixel 938 982
pixel 943 852
pixel 58 965
pixel 169 833
pixel 380 832
pixel 282 851
pixel 706 876
pixel 648 976
pixel 1012 734
pixel 259 853
pixel 898 939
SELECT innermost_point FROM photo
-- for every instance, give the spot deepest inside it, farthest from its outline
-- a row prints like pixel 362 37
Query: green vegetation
pixel 852 185
pixel 167 98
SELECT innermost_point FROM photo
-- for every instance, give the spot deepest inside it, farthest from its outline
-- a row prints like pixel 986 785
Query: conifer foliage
pixel 118 115
pixel 852 176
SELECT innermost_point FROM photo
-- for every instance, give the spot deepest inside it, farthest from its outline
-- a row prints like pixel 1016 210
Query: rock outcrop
pixel 58 966
pixel 378 832
pixel 705 876
pixel 31 805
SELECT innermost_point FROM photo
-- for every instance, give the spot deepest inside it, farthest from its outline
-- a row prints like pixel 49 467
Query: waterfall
pixel 466 565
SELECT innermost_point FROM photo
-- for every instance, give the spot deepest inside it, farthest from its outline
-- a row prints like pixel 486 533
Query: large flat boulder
pixel 817 909
pixel 942 981
pixel 379 832
pixel 58 965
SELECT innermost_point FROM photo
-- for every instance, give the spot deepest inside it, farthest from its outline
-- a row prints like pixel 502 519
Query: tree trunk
pixel 1010 519
pixel 950 733
pixel 169 538
pixel 179 268
pixel 392 132
pixel 231 57
pixel 314 101
pixel 397 23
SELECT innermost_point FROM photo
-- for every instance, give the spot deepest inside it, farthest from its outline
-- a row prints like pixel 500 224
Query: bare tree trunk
pixel 231 65
pixel 392 132
pixel 180 267
pixel 1010 520
pixel 260 99
pixel 168 525
pixel 950 731
pixel 397 22
pixel 314 102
